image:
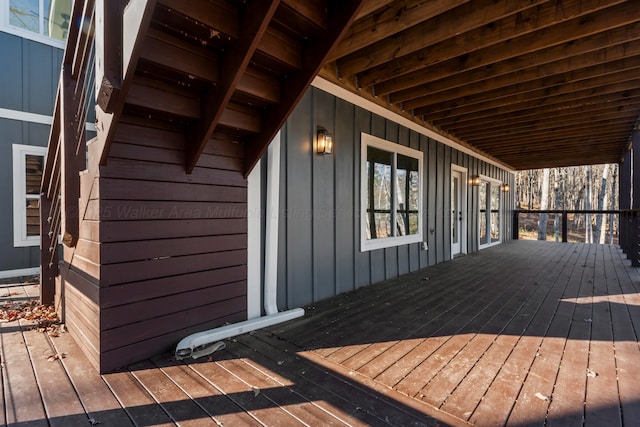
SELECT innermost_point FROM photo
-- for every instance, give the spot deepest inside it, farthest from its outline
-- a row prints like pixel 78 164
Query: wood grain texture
pixel 424 59
pixel 523 333
pixel 505 336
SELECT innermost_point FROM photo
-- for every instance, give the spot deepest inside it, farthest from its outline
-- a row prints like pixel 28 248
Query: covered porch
pixel 522 333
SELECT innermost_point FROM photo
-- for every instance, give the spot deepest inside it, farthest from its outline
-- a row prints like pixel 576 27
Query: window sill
pixel 389 242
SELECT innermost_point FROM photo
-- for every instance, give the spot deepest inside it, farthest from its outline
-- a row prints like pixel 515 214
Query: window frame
pixel 20 153
pixel 367 140
pixel 6 27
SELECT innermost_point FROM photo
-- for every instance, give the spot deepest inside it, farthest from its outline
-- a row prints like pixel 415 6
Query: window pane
pixel 33 171
pixel 483 213
pixel 495 197
pixel 25 14
pixel 56 21
pixel 379 193
pixel 33 217
pixel 495 226
pixel 407 194
pixel 413 223
pixel 495 213
pixel 402 219
pixel 383 225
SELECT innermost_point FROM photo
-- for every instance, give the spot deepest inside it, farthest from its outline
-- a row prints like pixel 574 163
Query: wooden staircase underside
pixel 224 69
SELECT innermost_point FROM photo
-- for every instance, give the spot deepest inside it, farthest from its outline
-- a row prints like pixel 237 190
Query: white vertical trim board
pixel 271 232
pixel 20 152
pixel 464 188
pixel 254 243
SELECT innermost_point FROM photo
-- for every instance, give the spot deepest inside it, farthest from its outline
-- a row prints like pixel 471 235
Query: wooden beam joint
pixel 254 21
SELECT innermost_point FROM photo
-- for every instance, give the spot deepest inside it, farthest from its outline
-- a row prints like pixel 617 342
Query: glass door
pixel 456 212
pixel 489 201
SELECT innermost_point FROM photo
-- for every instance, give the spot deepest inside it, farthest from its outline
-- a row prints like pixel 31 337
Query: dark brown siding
pixel 163 253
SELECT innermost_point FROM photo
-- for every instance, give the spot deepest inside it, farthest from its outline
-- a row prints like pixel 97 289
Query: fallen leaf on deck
pixel 542 397
pixel 591 373
pixel 256 391
pixel 94 422
pixel 56 356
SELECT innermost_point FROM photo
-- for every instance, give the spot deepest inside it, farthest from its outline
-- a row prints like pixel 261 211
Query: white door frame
pixel 461 216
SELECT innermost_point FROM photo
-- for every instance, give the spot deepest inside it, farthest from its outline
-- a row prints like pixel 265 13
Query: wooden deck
pixel 524 333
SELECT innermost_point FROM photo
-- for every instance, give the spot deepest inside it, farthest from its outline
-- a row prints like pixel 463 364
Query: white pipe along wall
pixel 206 342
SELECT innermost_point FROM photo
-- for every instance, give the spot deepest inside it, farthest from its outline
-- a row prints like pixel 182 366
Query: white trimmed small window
pixel 45 21
pixel 391 194
pixel 28 164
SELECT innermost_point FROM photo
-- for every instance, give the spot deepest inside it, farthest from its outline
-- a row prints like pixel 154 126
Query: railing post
pixel 564 226
pixel 48 258
pixel 623 232
pixel 635 239
pixel 516 226
pixel 69 174
pixel 108 45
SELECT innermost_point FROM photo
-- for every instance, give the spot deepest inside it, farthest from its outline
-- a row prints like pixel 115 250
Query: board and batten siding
pixel 319 231
pixel 29 83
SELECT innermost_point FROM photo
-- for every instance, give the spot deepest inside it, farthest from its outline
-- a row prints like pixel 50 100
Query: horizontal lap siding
pixel 173 245
pixel 319 234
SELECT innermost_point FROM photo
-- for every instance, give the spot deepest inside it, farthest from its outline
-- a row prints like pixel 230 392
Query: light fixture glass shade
pixel 474 180
pixel 324 142
pixel 505 188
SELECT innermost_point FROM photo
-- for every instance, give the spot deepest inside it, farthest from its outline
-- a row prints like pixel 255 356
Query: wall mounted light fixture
pixel 474 180
pixel 324 141
pixel 505 188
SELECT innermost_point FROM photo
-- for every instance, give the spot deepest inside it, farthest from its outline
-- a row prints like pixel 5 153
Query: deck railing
pixel 628 231
pixel 66 153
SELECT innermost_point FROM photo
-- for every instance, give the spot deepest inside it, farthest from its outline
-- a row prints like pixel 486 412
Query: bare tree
pixel 556 202
pixel 588 236
pixel 544 204
pixel 601 220
pixel 576 188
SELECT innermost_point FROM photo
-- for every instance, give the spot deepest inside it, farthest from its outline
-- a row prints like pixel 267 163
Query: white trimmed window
pixel 391 194
pixel 28 164
pixel 46 21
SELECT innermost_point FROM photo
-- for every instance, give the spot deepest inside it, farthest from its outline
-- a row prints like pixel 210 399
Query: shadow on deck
pixel 521 333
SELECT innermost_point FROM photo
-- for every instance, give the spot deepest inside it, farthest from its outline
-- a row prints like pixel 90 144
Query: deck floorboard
pixel 523 333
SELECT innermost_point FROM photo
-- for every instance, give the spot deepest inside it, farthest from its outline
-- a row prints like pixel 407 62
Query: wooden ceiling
pixel 531 83
pixel 224 70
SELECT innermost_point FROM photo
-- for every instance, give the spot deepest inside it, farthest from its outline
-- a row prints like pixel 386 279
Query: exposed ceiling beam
pixel 340 14
pixel 397 17
pixel 498 88
pixel 498 114
pixel 500 74
pixel 498 123
pixel 547 89
pixel 520 55
pixel 579 97
pixel 543 126
pixel 254 20
pixel 529 30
